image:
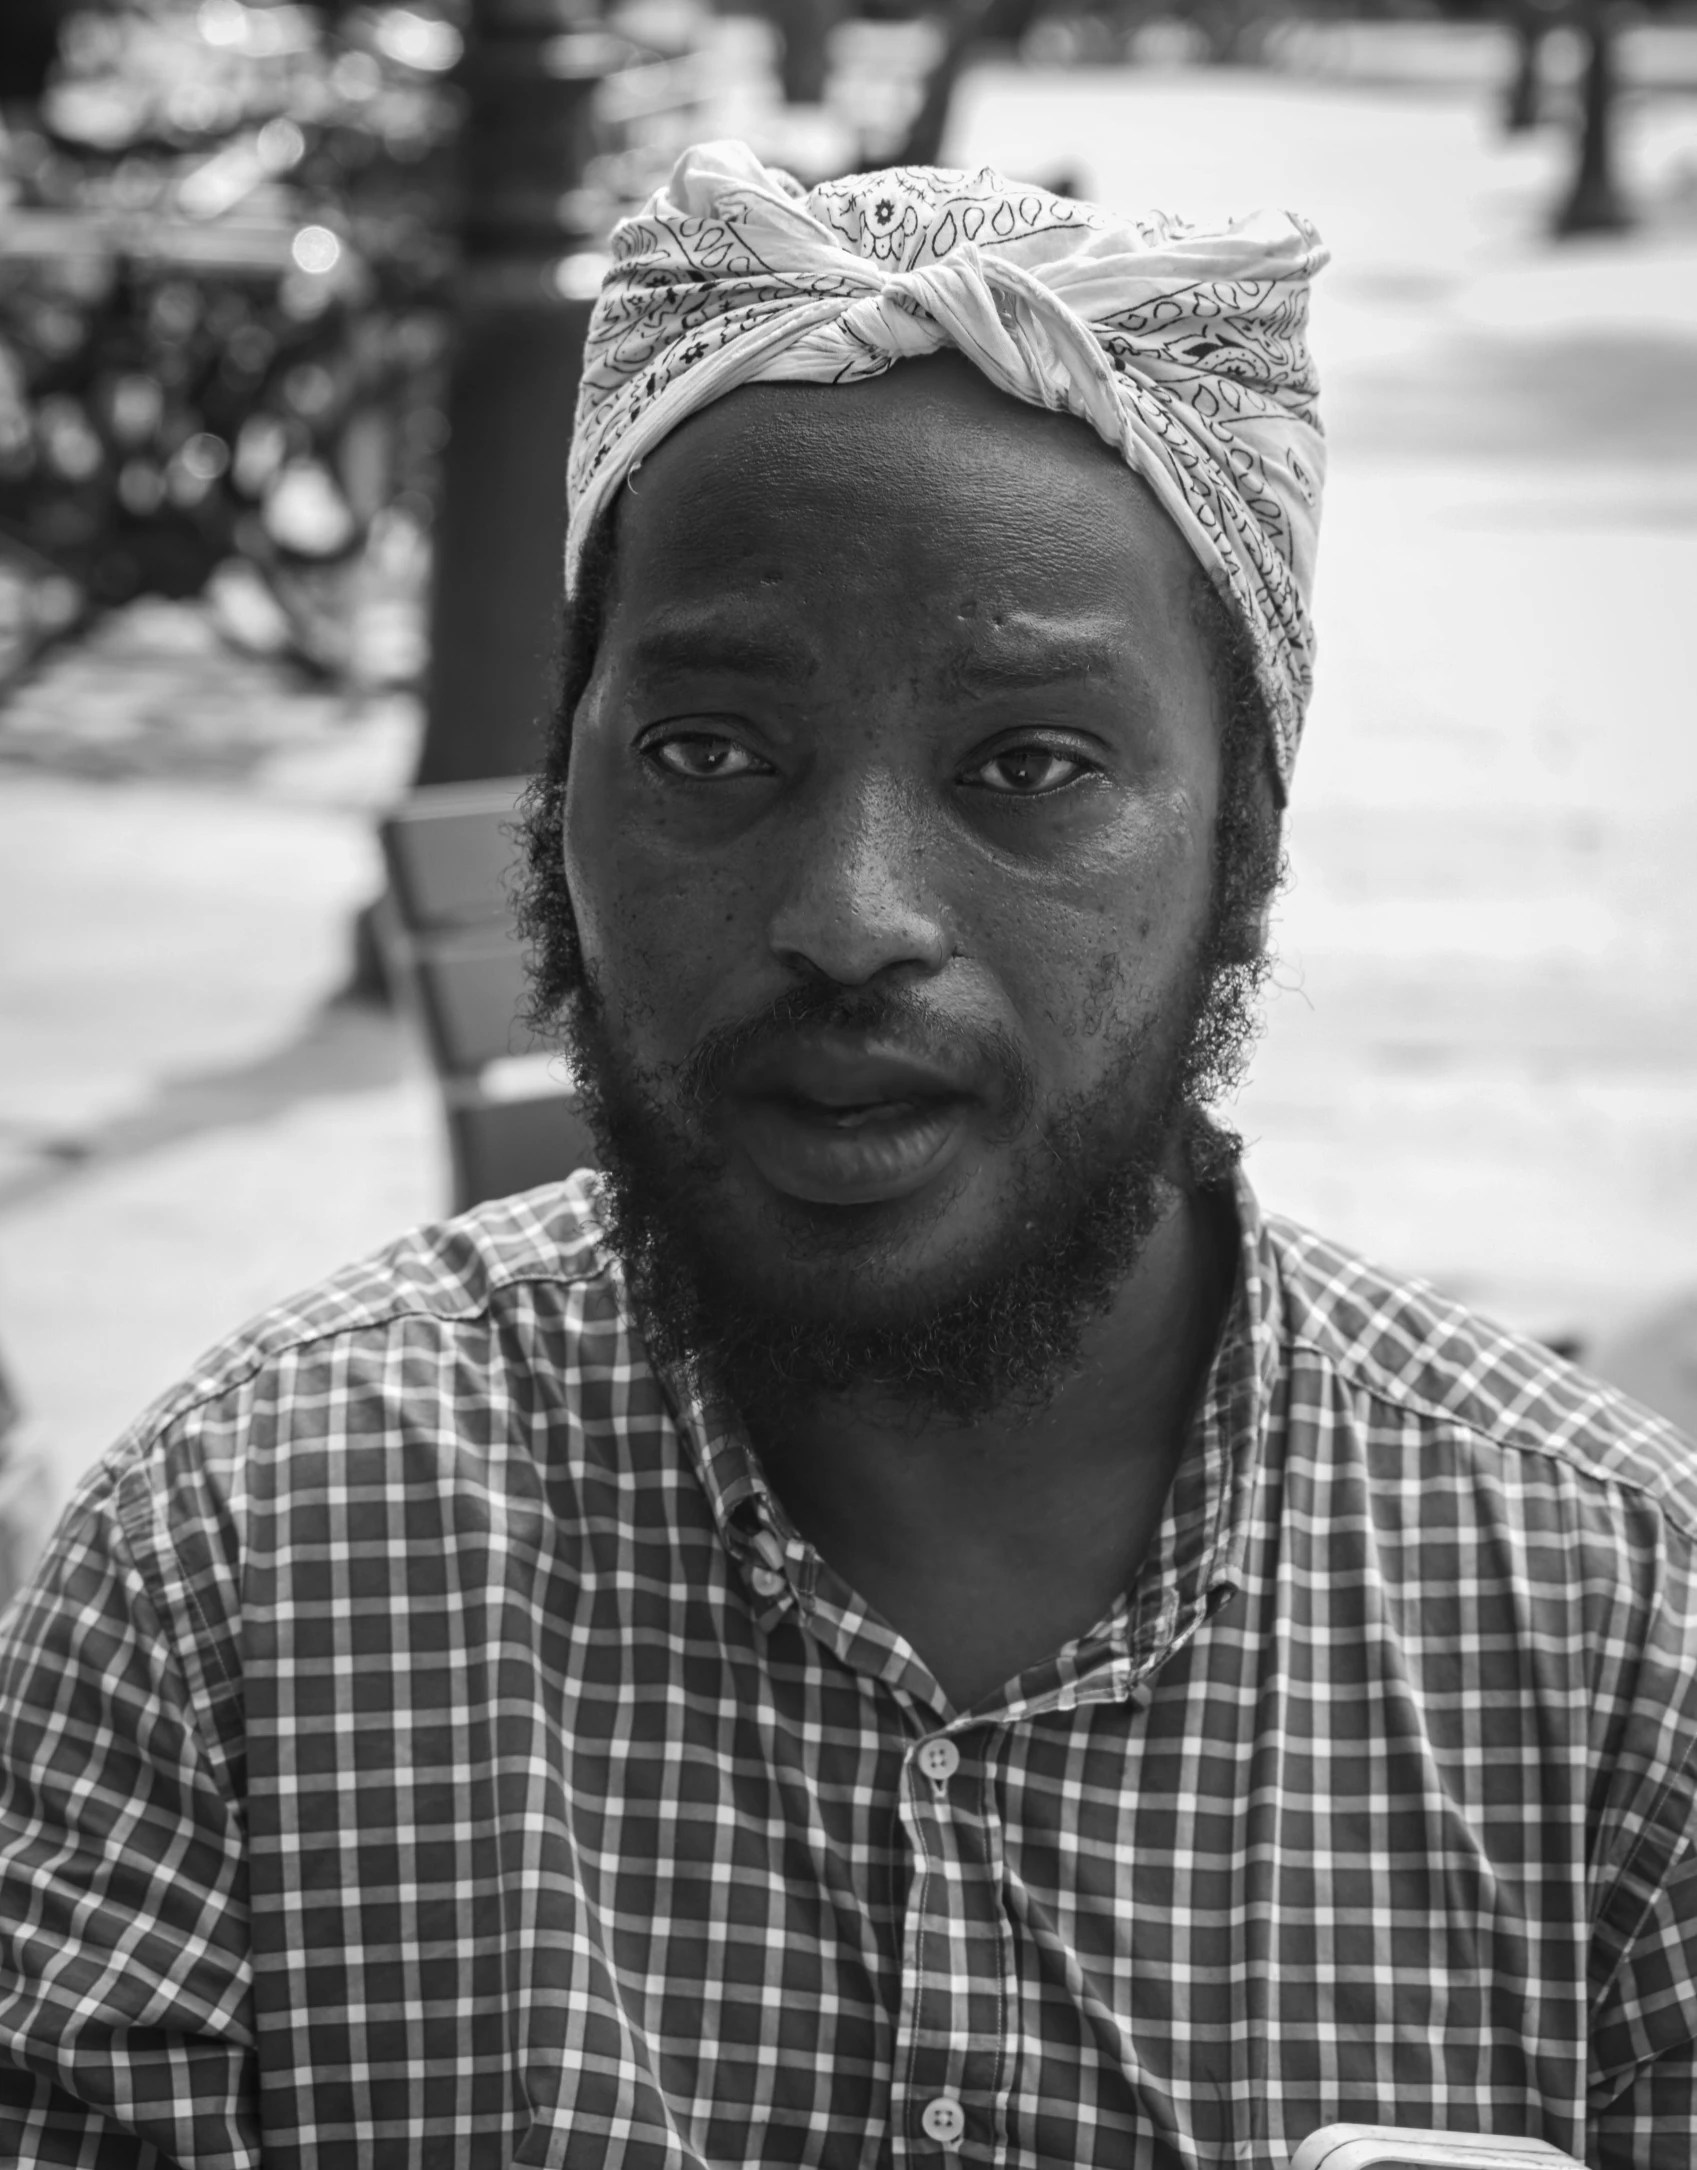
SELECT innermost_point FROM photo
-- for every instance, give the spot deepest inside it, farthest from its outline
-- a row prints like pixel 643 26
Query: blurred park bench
pixel 25 1497
pixel 447 930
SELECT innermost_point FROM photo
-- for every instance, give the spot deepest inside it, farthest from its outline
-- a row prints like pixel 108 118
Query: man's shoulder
pixel 543 1246
pixel 403 1399
pixel 1431 1365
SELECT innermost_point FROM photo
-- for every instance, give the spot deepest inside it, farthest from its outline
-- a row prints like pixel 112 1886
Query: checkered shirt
pixel 428 1744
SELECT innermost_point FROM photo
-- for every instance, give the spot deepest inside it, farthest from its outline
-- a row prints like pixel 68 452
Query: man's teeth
pixel 871 1111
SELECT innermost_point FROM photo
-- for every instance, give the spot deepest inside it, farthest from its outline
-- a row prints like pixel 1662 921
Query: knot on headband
pixel 1184 348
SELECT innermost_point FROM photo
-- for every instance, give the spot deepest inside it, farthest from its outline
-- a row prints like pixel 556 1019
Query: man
pixel 908 1625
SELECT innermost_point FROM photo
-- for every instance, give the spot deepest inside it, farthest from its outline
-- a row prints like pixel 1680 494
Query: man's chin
pixel 929 1303
pixel 799 1269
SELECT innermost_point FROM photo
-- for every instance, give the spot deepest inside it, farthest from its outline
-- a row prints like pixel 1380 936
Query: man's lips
pixel 835 1124
pixel 834 1072
pixel 848 1156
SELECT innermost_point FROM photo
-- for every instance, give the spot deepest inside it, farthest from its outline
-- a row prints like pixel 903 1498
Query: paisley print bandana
pixel 1183 347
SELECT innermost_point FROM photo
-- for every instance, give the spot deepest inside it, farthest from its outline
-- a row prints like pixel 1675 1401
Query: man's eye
pixel 1027 772
pixel 704 758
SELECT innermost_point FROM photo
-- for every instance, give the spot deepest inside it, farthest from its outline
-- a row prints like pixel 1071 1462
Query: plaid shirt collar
pixel 1193 1566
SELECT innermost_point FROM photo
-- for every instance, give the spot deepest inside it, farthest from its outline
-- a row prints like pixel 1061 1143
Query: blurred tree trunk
pixel 530 71
pixel 804 32
pixel 1234 31
pixel 968 23
pixel 1595 203
pixel 1523 105
pixel 29 44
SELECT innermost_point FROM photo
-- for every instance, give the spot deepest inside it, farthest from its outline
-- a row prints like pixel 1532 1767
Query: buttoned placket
pixel 950 2064
pixel 953 2066
pixel 954 2049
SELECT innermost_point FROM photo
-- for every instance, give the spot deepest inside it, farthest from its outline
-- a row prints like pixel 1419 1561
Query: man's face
pixel 888 838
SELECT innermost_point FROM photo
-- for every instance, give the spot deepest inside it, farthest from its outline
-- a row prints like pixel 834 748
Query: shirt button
pixel 939 1759
pixel 943 2120
pixel 767 1581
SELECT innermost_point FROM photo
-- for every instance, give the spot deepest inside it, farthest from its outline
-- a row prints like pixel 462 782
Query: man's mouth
pixel 851 1118
pixel 832 1124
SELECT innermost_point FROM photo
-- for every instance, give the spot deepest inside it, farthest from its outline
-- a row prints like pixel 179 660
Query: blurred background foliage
pixel 221 324
pixel 228 232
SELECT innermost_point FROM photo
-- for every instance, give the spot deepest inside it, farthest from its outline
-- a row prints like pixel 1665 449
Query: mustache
pixel 897 1018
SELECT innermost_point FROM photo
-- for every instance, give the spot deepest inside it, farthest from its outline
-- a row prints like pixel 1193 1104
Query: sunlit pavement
pixel 1481 1056
pixel 187 1130
pixel 1481 1060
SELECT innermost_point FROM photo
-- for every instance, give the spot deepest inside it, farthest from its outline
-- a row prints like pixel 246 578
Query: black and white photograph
pixel 848 1084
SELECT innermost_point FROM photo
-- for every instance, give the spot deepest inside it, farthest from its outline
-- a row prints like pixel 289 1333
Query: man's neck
pixel 992 1546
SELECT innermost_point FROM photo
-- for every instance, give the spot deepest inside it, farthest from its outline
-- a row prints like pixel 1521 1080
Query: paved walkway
pixel 1481 1058
pixel 190 1124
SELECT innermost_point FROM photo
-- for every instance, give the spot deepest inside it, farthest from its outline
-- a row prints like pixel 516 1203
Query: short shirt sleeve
pixel 125 2025
pixel 1643 2063
pixel 1644 2040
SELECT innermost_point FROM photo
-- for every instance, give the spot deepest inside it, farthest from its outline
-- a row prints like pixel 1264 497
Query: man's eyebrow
pixel 1028 657
pixel 673 645
pixel 1020 656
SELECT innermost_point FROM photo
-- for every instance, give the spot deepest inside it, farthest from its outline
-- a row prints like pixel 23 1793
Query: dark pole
pixel 965 24
pixel 1523 104
pixel 1595 204
pixel 28 48
pixel 529 74
pixel 804 32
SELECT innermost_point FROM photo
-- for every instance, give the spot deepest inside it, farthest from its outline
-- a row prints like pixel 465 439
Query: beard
pixel 813 1302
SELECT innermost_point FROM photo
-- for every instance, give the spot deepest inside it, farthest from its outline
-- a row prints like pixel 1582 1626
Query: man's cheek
pixel 1070 974
pixel 630 921
pixel 1101 993
pixel 674 961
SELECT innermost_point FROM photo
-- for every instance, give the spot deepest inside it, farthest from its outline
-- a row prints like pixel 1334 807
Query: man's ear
pixel 1244 938
pixel 1256 835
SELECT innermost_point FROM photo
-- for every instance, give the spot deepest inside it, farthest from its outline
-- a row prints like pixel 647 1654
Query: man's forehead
pixel 995 508
pixel 938 407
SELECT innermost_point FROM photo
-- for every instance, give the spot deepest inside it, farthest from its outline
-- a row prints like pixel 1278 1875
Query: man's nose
pixel 858 895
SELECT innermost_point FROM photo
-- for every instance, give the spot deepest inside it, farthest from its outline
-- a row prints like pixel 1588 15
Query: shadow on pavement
pixel 347 1046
